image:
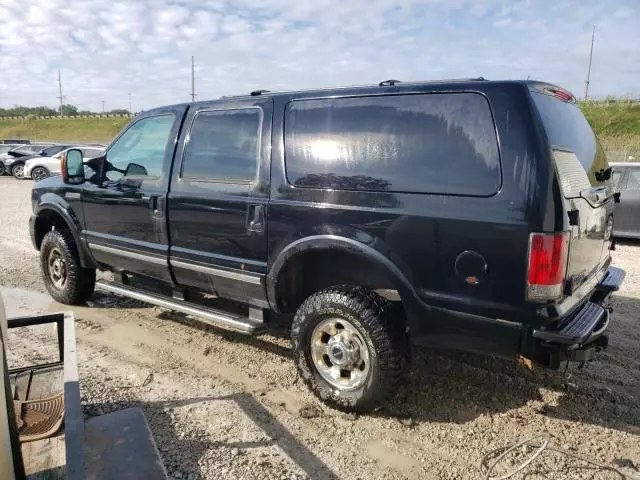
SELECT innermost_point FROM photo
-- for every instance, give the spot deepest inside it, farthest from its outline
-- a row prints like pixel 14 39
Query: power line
pixel 587 81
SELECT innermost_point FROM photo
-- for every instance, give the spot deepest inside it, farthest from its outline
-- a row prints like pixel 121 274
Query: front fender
pixel 373 251
pixel 50 202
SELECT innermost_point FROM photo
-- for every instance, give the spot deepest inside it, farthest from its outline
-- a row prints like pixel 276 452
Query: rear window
pixel 428 143
pixel 576 150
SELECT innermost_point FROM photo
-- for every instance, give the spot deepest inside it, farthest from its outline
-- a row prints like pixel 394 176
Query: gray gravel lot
pixel 225 406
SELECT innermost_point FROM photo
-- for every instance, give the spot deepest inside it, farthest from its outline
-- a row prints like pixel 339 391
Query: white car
pixel 24 149
pixel 43 167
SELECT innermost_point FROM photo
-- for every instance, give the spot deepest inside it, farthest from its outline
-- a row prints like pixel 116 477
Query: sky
pixel 108 49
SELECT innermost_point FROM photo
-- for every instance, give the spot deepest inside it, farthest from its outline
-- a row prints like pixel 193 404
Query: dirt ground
pixel 225 406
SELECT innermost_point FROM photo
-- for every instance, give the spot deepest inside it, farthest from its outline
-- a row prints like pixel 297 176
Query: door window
pixel 140 151
pixel 223 146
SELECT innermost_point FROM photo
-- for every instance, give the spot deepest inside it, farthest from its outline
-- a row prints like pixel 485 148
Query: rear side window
pixel 223 145
pixel 577 153
pixel 633 180
pixel 429 143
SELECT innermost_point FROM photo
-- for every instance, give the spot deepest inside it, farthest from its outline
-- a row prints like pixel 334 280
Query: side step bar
pixel 249 325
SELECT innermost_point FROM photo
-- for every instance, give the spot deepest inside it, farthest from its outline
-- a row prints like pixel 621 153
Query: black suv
pixel 469 214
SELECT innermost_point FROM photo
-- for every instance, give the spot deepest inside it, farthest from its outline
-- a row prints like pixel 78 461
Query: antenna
pixel 587 81
pixel 193 79
pixel 60 88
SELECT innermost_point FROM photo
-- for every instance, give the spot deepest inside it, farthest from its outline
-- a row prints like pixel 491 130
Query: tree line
pixel 67 110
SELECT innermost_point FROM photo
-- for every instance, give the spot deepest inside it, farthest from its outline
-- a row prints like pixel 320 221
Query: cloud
pixel 144 47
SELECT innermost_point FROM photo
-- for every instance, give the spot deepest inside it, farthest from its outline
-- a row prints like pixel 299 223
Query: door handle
pixel 156 205
pixel 256 222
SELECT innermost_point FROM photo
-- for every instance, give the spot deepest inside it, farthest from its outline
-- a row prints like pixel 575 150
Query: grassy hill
pixel 616 123
pixel 63 129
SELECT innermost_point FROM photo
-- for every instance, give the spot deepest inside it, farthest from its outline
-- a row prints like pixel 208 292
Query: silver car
pixel 626 178
pixel 42 167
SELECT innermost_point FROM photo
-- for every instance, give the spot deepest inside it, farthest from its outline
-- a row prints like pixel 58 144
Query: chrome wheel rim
pixel 39 174
pixel 18 171
pixel 57 268
pixel 340 354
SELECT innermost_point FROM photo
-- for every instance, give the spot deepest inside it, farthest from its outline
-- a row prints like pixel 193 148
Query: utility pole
pixel 193 80
pixel 130 111
pixel 60 88
pixel 586 82
pixel 102 106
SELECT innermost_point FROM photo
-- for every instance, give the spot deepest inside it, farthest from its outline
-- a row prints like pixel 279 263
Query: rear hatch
pixel 584 178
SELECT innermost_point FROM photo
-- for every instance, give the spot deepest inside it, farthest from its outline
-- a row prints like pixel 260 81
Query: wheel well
pixel 48 220
pixel 309 272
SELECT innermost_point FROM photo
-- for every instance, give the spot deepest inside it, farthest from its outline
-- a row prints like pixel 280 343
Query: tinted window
pixel 617 175
pixel 567 128
pixel 223 145
pixel 434 143
pixel 633 180
pixel 51 151
pixel 141 149
pixel 91 152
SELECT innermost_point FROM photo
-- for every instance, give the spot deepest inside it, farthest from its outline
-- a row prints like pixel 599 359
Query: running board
pixel 249 325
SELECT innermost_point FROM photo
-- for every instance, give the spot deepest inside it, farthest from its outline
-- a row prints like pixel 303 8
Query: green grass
pixel 63 129
pixel 613 120
pixel 616 122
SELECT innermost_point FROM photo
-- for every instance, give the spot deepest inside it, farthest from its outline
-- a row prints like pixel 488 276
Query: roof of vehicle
pixel 385 86
pixel 624 164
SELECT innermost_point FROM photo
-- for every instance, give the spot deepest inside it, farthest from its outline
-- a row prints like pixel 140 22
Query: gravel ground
pixel 221 405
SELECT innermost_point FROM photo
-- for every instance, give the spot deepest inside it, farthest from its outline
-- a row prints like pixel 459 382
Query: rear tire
pixel 39 173
pixel 354 324
pixel 3 170
pixel 66 281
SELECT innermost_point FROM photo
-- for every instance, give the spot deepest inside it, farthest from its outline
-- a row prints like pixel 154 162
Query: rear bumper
pixel 579 335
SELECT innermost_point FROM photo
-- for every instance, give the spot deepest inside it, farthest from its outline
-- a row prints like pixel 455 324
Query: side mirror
pixel 72 167
pixel 135 169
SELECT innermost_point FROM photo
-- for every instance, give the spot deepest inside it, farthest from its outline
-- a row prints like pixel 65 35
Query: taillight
pixel 548 255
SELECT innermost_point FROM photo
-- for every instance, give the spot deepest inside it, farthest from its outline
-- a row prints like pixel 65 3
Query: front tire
pixel 18 171
pixel 3 169
pixel 348 347
pixel 65 279
pixel 39 173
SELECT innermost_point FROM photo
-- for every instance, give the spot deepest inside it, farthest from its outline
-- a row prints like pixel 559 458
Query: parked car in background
pixel 4 149
pixel 17 151
pixel 626 178
pixel 15 165
pixel 38 168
